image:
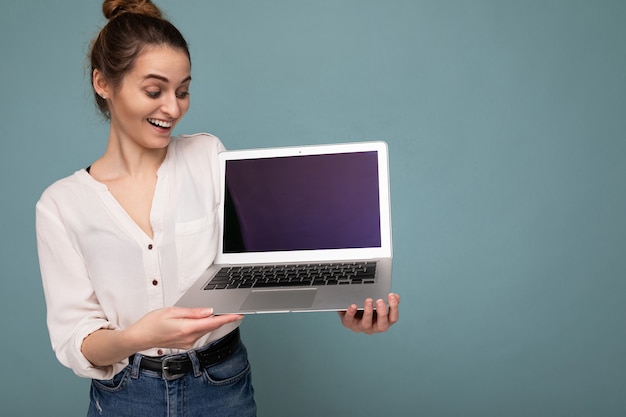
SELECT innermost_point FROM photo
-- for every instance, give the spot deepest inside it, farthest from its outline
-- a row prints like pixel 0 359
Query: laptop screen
pixel 306 202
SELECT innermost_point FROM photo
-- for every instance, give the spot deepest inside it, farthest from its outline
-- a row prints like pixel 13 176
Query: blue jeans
pixel 220 390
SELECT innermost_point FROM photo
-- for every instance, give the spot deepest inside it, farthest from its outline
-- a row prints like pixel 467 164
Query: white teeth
pixel 160 123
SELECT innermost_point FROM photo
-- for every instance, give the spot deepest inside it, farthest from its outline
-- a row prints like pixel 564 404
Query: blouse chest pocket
pixel 196 247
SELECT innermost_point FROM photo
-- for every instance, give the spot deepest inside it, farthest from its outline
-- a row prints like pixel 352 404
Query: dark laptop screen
pixel 302 203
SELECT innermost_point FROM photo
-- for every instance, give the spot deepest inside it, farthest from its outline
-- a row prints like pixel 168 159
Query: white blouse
pixel 101 271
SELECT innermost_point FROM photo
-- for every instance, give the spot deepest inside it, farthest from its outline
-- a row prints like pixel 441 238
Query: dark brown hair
pixel 133 25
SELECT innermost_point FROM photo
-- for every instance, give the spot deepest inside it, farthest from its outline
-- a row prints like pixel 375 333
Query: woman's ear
pixel 100 84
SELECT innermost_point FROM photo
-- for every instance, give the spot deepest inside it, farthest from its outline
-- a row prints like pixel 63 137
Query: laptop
pixel 301 229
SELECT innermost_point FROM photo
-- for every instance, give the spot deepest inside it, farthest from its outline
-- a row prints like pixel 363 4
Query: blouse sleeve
pixel 73 311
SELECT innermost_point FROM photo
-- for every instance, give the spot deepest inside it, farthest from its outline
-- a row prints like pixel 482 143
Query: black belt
pixel 172 367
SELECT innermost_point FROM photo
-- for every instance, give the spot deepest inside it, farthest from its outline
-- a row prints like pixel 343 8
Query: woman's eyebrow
pixel 164 79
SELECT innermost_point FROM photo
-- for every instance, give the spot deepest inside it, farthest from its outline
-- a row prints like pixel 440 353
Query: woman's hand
pixel 177 327
pixel 372 319
pixel 171 327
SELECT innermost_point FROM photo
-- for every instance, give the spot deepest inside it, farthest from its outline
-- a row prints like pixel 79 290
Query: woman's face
pixel 152 97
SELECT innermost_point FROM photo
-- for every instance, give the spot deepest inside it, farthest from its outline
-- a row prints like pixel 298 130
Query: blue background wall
pixel 505 121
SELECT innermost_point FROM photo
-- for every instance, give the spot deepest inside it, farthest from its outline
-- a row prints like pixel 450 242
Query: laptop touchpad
pixel 279 299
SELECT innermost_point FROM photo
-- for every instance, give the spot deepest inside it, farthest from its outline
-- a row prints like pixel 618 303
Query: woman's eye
pixel 182 94
pixel 153 94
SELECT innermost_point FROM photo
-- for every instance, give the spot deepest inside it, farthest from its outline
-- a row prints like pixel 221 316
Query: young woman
pixel 121 240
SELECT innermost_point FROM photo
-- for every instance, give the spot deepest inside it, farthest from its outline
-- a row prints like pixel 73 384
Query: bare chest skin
pixel 135 196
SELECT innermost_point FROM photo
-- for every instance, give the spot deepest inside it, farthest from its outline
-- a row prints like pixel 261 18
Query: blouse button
pixel 160 352
pixel 150 246
pixel 155 282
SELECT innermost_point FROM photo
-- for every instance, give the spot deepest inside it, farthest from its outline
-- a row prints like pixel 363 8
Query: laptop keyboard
pixel 267 276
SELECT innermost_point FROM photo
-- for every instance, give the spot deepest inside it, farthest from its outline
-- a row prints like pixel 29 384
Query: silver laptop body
pixel 303 228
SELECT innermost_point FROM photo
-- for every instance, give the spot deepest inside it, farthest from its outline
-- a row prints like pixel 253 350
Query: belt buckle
pixel 165 369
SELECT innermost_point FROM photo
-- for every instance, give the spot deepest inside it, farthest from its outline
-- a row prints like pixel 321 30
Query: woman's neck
pixel 128 160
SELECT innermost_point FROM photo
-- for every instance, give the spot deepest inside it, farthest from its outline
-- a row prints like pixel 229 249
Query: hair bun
pixel 113 8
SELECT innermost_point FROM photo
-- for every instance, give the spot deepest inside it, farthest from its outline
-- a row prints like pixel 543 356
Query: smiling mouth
pixel 160 123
